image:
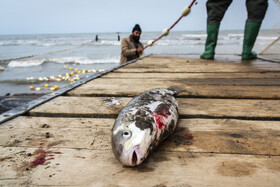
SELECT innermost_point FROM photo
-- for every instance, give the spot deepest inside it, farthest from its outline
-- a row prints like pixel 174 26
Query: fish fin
pixel 175 90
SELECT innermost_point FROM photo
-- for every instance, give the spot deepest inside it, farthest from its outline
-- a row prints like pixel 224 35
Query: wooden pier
pixel 228 133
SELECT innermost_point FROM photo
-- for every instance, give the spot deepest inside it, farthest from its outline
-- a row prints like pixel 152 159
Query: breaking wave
pixel 52 43
pixel 74 60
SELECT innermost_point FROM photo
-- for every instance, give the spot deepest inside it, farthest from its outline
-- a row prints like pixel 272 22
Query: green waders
pixel 211 41
pixel 250 35
pixel 215 12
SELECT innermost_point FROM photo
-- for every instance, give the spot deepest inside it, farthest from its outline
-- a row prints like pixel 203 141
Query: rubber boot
pixel 250 35
pixel 211 41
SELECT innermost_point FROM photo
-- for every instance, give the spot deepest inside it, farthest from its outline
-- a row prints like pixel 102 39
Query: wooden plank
pixel 80 107
pixel 261 75
pixel 210 91
pixel 183 69
pixel 192 135
pixel 188 81
pixel 177 65
pixel 72 167
pixel 222 108
pixel 182 65
pixel 57 132
pixel 225 59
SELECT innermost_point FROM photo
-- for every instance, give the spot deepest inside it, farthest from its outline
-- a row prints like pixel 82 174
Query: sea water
pixel 50 53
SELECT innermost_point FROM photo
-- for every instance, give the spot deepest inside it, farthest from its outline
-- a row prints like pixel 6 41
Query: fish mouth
pixel 134 158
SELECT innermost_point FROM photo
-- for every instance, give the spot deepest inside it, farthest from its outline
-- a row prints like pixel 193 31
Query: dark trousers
pixel 216 10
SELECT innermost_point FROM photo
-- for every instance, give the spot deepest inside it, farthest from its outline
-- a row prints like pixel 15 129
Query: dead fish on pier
pixel 144 122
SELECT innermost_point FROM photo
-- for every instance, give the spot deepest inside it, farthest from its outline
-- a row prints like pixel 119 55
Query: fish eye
pixel 126 134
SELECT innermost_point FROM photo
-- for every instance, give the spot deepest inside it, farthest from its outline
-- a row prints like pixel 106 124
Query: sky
pixel 99 16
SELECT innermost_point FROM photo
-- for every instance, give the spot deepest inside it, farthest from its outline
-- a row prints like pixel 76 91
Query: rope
pixel 165 32
pixel 274 42
pixel 268 60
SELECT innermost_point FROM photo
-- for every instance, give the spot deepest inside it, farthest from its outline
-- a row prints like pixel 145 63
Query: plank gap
pixel 182 116
pixel 156 150
pixel 127 95
pixel 65 115
pixel 114 116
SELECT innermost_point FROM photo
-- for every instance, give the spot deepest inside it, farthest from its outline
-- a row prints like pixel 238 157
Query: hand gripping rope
pixel 165 32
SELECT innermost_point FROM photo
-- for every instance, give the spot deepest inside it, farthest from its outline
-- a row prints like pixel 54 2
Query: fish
pixel 143 123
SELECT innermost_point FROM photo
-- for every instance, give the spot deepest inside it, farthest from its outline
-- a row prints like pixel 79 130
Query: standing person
pixel 131 47
pixel 119 38
pixel 96 38
pixel 215 12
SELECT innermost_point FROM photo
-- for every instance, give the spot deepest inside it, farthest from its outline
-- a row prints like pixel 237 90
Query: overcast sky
pixel 95 16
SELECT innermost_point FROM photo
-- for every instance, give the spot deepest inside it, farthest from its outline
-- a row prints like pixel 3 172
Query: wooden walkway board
pixel 77 147
pixel 107 88
pixel 167 65
pixel 101 106
pixel 250 82
pixel 189 81
pixel 73 167
pixel 228 132
pixel 211 75
pixel 196 135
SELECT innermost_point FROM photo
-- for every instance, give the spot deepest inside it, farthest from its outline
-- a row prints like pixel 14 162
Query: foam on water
pixel 84 60
pixel 17 42
pixel 194 36
pixel 167 42
pixel 108 42
pixel 26 63
pixel 267 38
pixel 43 43
pixel 64 60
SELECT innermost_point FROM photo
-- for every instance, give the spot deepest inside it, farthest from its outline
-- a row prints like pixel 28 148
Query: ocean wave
pixel 235 35
pixel 107 42
pixel 74 60
pixel 84 60
pixel 63 43
pixel 240 36
pixel 267 37
pixel 26 63
pixel 194 36
pixel 179 42
pixel 17 42
pixel 29 42
pixel 51 43
pixel 227 43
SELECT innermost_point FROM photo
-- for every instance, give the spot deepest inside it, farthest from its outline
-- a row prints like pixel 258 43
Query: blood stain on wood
pixel 42 156
pixel 182 136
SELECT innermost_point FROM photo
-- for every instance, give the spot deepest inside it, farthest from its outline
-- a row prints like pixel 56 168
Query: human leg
pixel 215 12
pixel 256 12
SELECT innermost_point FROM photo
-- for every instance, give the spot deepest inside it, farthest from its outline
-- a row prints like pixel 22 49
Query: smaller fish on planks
pixel 144 122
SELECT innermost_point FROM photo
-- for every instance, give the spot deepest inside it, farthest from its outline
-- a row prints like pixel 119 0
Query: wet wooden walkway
pixel 228 133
